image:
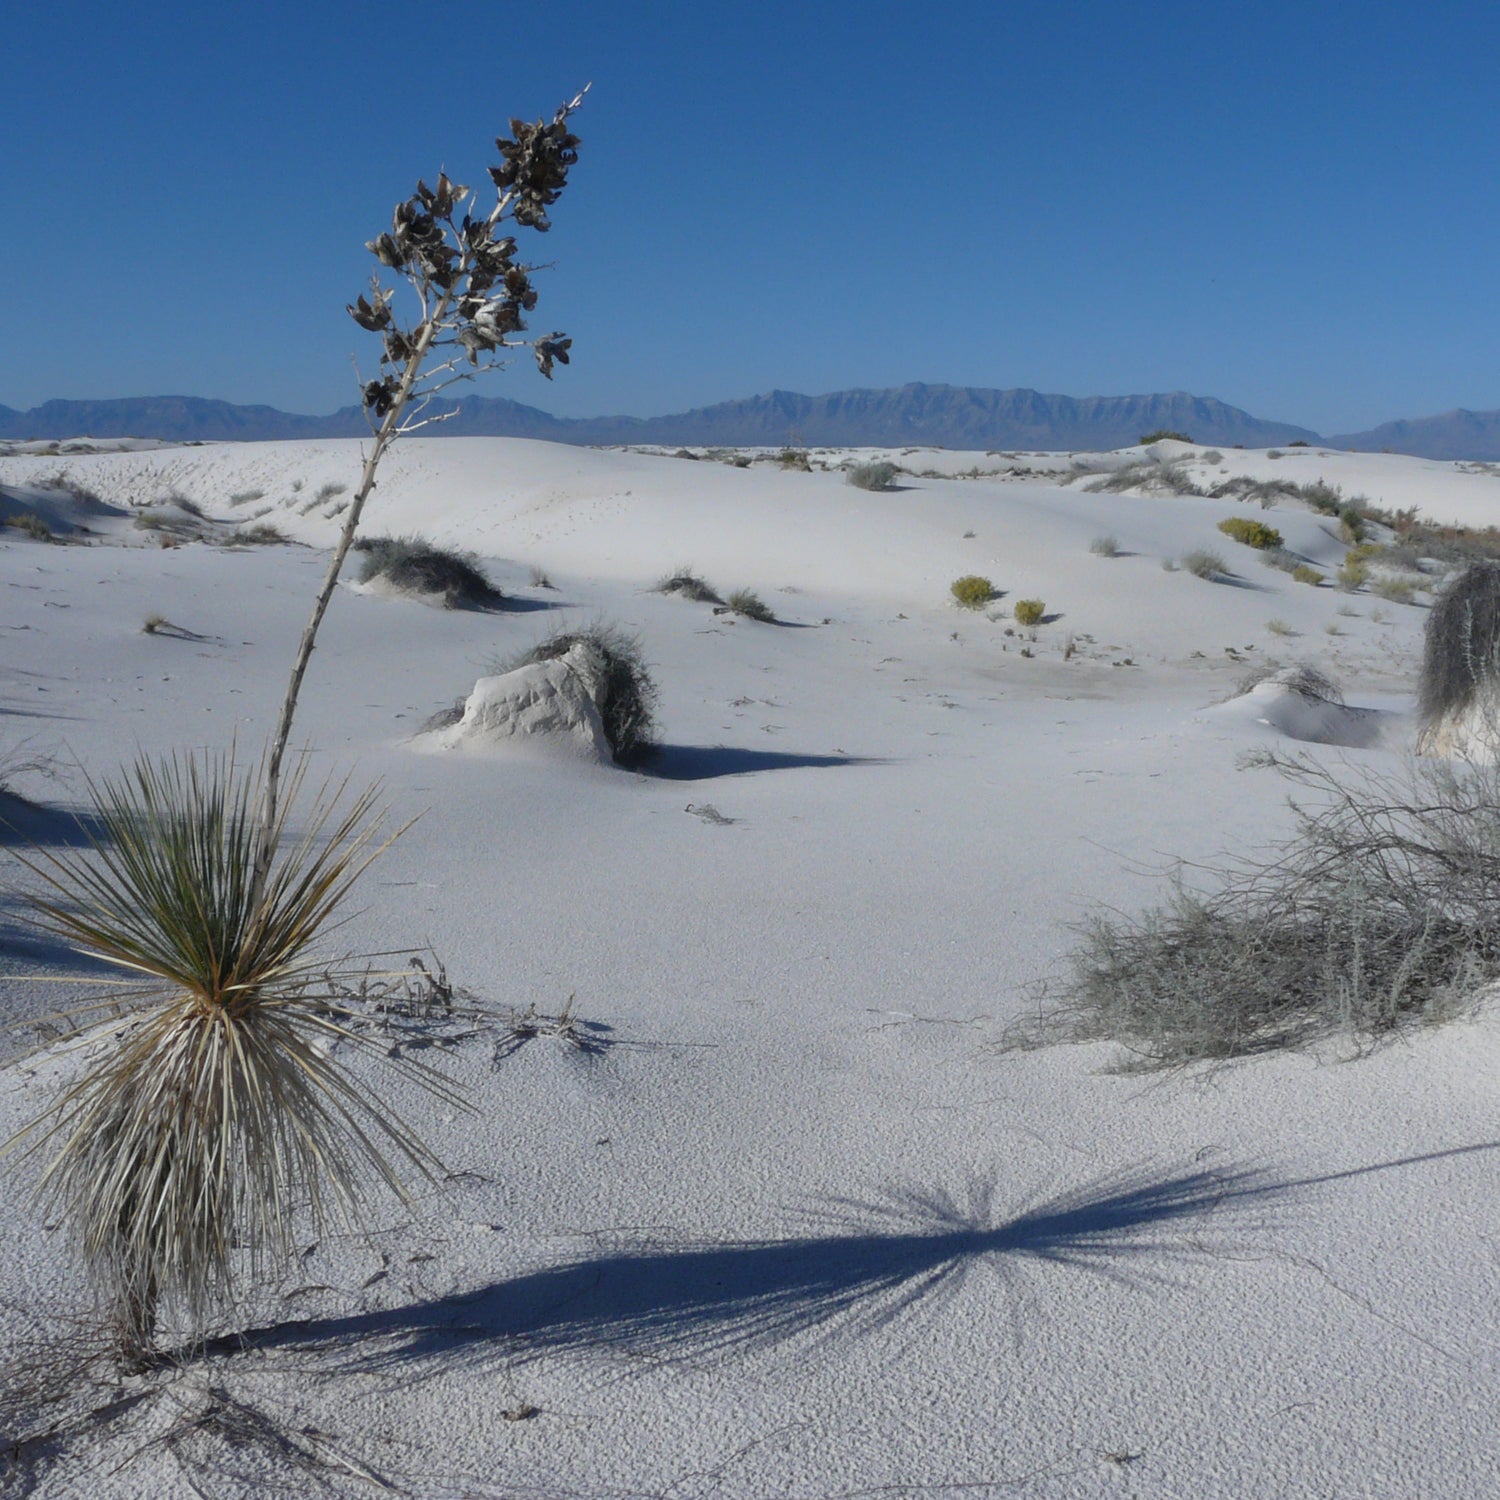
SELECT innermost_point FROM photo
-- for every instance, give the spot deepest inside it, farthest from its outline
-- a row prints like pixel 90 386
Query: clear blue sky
pixel 1292 206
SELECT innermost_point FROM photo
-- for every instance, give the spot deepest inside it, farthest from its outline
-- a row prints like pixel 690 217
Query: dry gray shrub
pixel 410 562
pixel 1204 564
pixel 1461 648
pixel 687 585
pixel 1105 546
pixel 1380 911
pixel 871 476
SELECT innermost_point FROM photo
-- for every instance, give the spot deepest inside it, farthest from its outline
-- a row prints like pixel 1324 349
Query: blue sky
pixel 1292 207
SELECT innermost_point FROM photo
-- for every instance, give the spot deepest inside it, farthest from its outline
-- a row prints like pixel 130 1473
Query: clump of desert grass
pixel 615 676
pixel 416 565
pixel 209 1115
pixel 1461 653
pixel 876 475
pixel 1380 912
pixel 748 603
pixel 687 584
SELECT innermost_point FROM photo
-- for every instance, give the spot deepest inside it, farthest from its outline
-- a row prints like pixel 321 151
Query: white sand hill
pixel 793 1224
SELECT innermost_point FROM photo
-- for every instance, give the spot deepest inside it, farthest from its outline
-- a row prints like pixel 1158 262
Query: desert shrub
pixel 1204 564
pixel 1028 611
pixel 1351 524
pixel 1380 911
pixel 1302 573
pixel 412 563
pixel 30 525
pixel 1278 626
pixel 1274 453
pixel 1326 498
pixel 1396 590
pixel 871 476
pixel 1151 477
pixel 748 603
pixel 245 497
pixel 1461 646
pixel 1163 434
pixel 972 591
pixel 1279 557
pixel 1252 533
pixel 1354 572
pixel 794 458
pixel 1298 443
pixel 615 676
pixel 538 579
pixel 688 585
pixel 261 534
pixel 1105 546
pixel 330 490
pixel 1211 456
pixel 1265 492
pixel 214 1113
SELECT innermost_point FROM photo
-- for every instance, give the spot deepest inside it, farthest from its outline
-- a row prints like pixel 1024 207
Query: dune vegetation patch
pixel 415 566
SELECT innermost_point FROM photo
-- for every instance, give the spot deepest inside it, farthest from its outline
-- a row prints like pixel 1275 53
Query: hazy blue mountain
pixel 939 415
pixel 909 415
pixel 1454 434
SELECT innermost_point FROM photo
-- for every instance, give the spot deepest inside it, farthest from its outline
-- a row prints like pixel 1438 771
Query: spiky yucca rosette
pixel 214 1113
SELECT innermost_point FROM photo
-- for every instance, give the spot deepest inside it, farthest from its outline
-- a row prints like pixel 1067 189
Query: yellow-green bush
pixel 1304 574
pixel 1029 611
pixel 972 591
pixel 1252 533
pixel 1353 571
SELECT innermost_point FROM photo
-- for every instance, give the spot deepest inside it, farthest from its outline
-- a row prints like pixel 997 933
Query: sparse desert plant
pixel 1105 546
pixel 1302 573
pixel 794 458
pixel 213 1113
pixel 871 476
pixel 1279 557
pixel 1163 434
pixel 1461 657
pixel 1202 563
pixel 1394 590
pixel 1354 572
pixel 1351 525
pixel 1381 911
pixel 246 497
pixel 30 525
pixel 1252 533
pixel 1325 498
pixel 687 585
pixel 1028 611
pixel 261 534
pixel 615 676
pixel 972 591
pixel 410 562
pixel 748 603
pixel 331 490
pixel 206 1121
pixel 538 579
pixel 1152 477
pixel 1278 626
pixel 1302 678
pixel 1275 453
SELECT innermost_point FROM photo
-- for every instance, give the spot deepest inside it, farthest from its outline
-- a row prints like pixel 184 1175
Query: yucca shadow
pixel 26 823
pixel 708 762
pixel 873 1263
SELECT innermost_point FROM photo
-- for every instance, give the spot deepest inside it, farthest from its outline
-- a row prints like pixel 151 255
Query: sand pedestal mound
pixel 543 706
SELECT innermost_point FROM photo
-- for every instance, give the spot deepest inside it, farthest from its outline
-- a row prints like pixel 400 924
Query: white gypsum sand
pixel 791 1224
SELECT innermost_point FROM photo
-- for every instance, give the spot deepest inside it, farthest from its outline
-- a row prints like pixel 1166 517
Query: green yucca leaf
pixel 214 1114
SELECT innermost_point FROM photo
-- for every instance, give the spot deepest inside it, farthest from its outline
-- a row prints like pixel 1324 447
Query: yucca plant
pixel 214 1112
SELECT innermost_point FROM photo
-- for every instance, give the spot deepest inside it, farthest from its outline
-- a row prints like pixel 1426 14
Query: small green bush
pixel 1252 533
pixel 1397 590
pixel 1304 574
pixel 972 591
pixel 1029 611
pixel 1354 572
pixel 1324 498
pixel 1164 434
pixel 871 476
pixel 748 603
pixel 1351 524
pixel 1204 564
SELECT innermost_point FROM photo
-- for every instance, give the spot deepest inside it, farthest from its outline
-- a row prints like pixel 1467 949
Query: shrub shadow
pixel 32 823
pixel 708 762
pixel 873 1264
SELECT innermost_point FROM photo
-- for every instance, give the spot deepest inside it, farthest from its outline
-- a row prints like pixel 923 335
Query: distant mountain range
pixel 945 416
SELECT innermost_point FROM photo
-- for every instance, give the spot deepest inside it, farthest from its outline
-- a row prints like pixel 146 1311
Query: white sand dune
pixel 794 1225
